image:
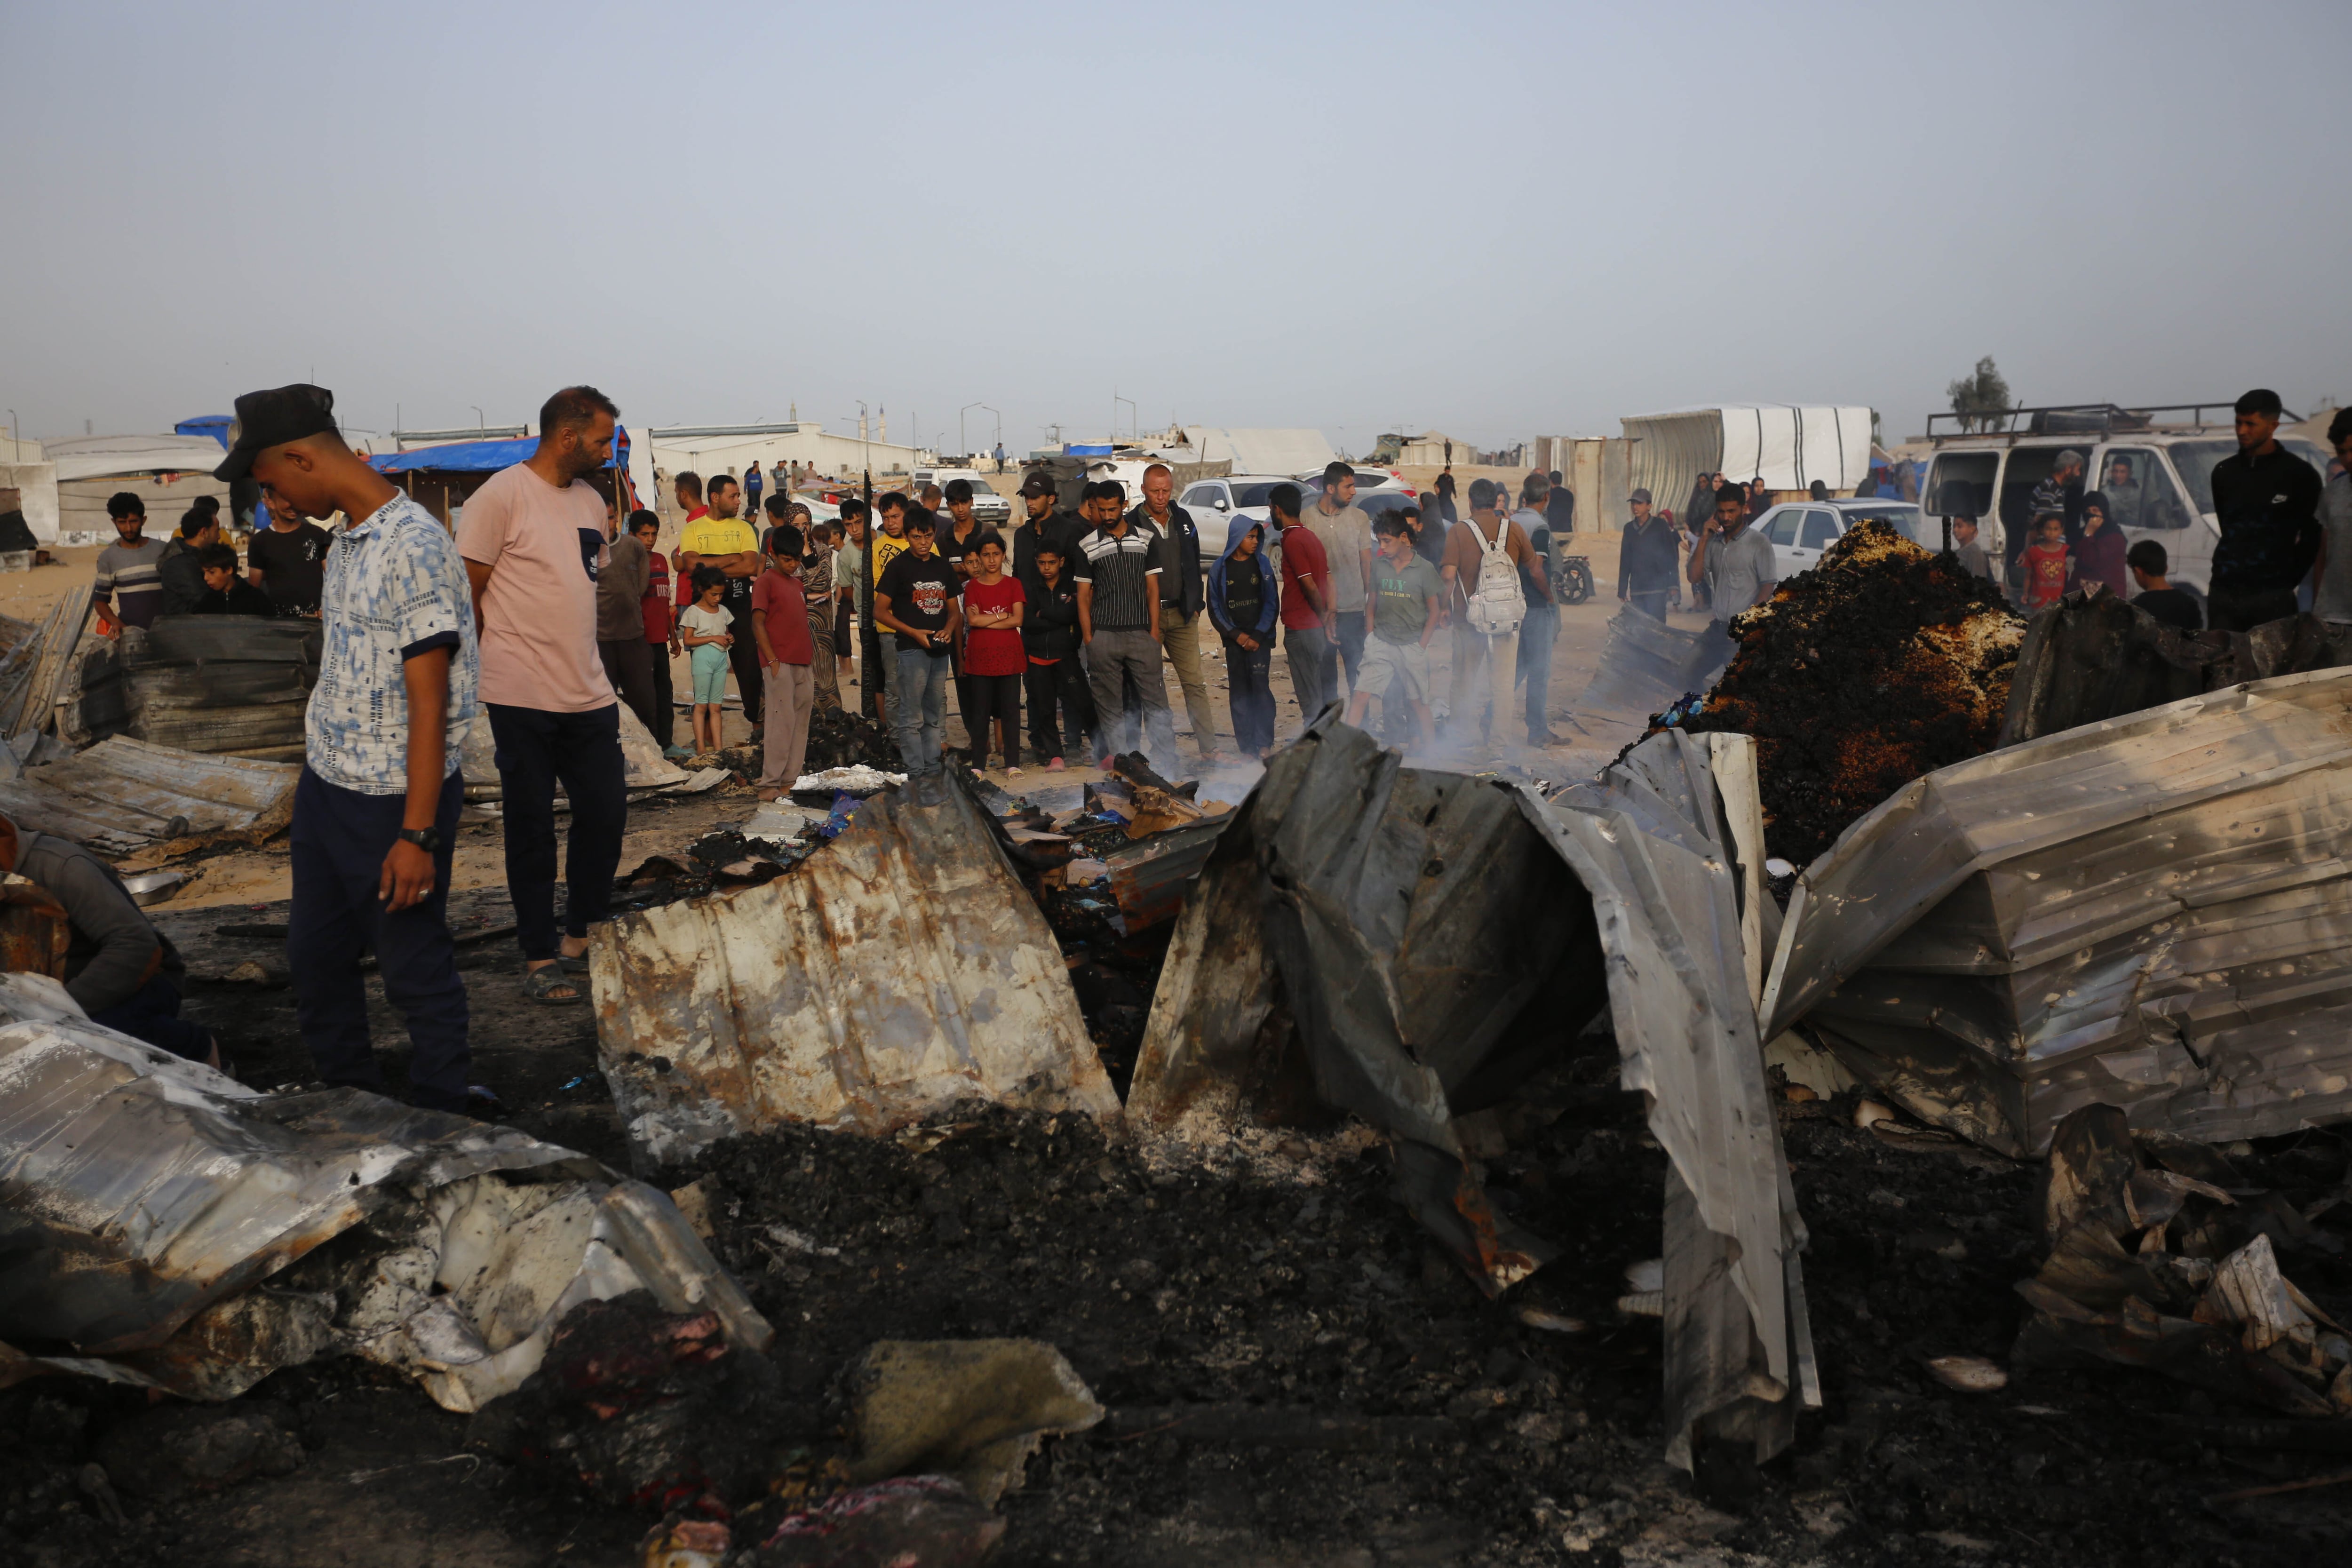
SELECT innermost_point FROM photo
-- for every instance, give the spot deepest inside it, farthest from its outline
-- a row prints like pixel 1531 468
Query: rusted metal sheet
pixel 229 685
pixel 1437 936
pixel 31 688
pixel 142 1196
pixel 2153 912
pixel 1149 880
pixel 896 970
pixel 124 794
pixel 1646 665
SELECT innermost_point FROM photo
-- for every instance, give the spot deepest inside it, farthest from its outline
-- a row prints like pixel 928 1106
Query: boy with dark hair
pixel 2157 595
pixel 1307 612
pixel 1399 620
pixel 1245 603
pixel 226 593
pixel 779 622
pixel 2266 502
pixel 177 569
pixel 915 599
pixel 1049 638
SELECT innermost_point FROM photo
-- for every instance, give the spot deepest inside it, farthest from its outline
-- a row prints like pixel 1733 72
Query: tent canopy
pixel 213 425
pixel 1262 451
pixel 478 456
pixel 1788 445
pixel 111 457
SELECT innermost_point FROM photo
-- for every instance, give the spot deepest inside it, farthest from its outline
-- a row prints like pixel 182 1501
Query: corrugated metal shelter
pixel 121 795
pixel 899 969
pixel 1788 445
pixel 2153 912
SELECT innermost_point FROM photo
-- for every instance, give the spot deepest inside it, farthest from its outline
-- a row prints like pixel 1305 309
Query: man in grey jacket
pixel 123 971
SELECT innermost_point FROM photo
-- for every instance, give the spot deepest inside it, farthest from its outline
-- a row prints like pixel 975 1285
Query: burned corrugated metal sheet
pixel 643 764
pixel 136 1189
pixel 1150 879
pixel 31 683
pixel 124 794
pixel 1433 953
pixel 142 1197
pixel 2153 912
pixel 231 685
pixel 1646 665
pixel 896 970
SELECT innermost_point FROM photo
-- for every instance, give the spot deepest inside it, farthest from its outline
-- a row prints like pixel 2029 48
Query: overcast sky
pixel 1498 221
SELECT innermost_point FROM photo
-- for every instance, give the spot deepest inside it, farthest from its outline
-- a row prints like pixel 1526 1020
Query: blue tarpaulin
pixel 1088 449
pixel 213 425
pixel 490 457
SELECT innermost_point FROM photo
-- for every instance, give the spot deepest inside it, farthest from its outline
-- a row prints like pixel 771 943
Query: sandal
pixel 542 983
pixel 572 963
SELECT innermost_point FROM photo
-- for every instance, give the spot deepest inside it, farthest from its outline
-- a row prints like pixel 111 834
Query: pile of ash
pixel 1882 663
pixel 841 739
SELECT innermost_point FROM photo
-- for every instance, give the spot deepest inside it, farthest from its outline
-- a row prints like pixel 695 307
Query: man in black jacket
pixel 1045 521
pixel 1647 554
pixel 2266 500
pixel 1182 599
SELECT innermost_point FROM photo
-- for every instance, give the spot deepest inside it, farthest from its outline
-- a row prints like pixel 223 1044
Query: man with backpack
pixel 1483 558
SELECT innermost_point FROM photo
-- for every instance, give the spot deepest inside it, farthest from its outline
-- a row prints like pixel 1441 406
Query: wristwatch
pixel 425 838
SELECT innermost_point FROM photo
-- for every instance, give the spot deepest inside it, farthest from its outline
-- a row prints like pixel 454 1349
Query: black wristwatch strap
pixel 425 838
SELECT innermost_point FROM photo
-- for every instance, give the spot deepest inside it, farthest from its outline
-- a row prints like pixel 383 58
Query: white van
pixel 2154 467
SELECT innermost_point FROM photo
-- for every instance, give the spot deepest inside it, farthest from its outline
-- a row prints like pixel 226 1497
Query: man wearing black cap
pixel 375 811
pixel 2266 500
pixel 1045 520
pixel 1646 557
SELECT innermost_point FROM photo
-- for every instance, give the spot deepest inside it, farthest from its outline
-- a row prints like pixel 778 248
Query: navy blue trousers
pixel 536 751
pixel 151 1013
pixel 341 838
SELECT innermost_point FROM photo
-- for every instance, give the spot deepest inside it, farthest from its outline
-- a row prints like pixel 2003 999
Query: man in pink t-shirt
pixel 534 540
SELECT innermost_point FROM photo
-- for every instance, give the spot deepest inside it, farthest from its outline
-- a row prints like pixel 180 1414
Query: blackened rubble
pixel 1880 664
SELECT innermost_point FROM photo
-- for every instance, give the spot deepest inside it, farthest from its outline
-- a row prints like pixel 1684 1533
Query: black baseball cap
pixel 272 418
pixel 1037 484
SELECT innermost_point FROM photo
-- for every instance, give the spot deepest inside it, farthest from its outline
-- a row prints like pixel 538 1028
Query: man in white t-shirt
pixel 534 540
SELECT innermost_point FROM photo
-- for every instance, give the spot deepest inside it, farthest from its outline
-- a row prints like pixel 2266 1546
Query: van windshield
pixel 2197 460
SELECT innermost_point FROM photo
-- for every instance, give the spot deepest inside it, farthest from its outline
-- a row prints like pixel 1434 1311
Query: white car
pixel 1367 479
pixel 987 506
pixel 1800 531
pixel 1233 496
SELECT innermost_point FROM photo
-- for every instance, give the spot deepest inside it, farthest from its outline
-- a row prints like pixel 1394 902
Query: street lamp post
pixel 1115 400
pixel 962 440
pixel 481 420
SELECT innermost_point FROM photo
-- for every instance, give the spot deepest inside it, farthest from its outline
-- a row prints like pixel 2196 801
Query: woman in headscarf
pixel 2099 552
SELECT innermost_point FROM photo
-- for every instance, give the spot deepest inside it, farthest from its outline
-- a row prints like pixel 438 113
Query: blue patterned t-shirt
pixel 395 587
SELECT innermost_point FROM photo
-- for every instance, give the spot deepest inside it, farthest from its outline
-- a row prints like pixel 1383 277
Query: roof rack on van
pixel 2084 419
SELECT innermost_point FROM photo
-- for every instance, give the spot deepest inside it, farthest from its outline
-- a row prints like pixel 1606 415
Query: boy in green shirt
pixel 1400 615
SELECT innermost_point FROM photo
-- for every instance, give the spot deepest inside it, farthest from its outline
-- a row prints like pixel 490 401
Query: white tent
pixel 112 457
pixel 1285 452
pixel 1790 446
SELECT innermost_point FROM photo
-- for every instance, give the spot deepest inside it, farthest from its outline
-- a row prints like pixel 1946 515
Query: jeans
pixel 1651 602
pixel 1309 652
pixel 151 1013
pixel 1063 682
pixel 339 840
pixel 1112 657
pixel 784 745
pixel 1536 635
pixel 1247 669
pixel 1348 649
pixel 1498 656
pixel 1179 635
pixel 918 709
pixel 536 750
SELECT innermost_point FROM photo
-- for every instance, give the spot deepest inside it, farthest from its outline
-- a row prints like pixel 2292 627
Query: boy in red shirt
pixel 780 620
pixel 1307 616
pixel 994 604
pixel 2046 565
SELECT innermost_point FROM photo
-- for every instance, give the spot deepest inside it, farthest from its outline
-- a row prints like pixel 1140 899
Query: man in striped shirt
pixel 130 586
pixel 1116 572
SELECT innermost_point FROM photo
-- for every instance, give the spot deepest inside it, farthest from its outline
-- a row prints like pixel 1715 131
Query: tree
pixel 1978 399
